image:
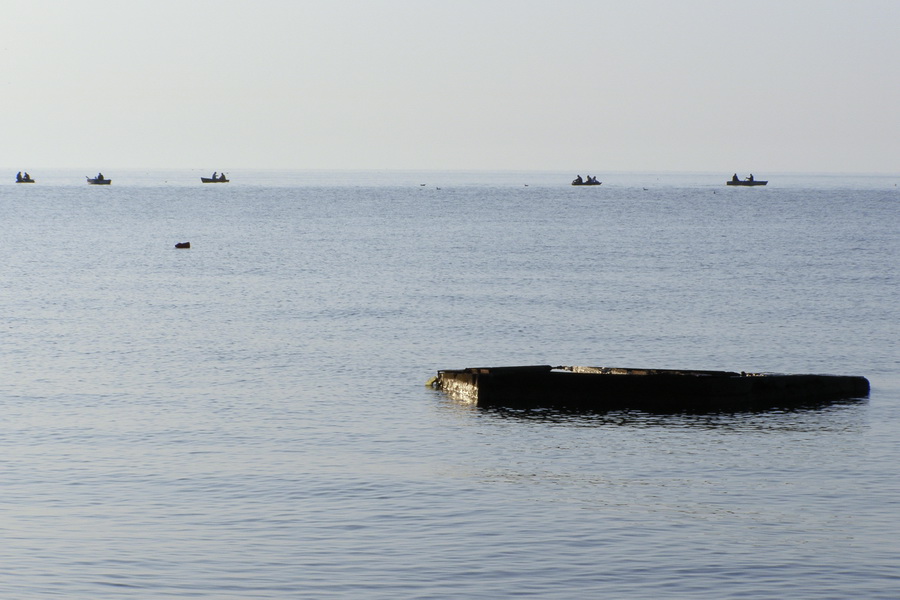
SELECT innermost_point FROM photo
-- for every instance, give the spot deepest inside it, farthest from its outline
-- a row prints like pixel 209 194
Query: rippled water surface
pixel 248 418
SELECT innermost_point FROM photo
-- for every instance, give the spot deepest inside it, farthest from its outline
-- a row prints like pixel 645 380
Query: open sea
pixel 248 418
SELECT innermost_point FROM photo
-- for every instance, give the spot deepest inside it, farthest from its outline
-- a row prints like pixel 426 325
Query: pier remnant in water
pixel 656 390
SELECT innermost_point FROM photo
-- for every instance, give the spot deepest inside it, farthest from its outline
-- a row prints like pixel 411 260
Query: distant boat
pixel 754 182
pixel 589 181
pixel 214 179
pixel 26 178
pixel 98 180
pixel 749 181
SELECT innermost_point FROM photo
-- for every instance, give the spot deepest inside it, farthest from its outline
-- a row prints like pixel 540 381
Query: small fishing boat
pixel 653 390
pixel 98 180
pixel 24 179
pixel 589 181
pixel 214 179
pixel 750 181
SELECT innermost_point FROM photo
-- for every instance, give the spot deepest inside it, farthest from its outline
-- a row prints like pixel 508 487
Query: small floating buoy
pixel 183 245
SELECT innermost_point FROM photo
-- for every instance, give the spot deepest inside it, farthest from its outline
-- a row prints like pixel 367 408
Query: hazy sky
pixel 573 85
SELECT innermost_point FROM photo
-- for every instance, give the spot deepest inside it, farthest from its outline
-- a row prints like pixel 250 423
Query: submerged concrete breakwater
pixel 664 390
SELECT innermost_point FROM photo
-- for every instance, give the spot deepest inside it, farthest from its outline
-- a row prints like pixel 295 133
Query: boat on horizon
pixel 750 181
pixel 216 178
pixel 26 178
pixel 652 390
pixel 589 181
pixel 98 180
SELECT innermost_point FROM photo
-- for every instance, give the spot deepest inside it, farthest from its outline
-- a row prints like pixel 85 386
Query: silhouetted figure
pixel 19 176
pixel 734 177
pixel 750 178
pixel 579 179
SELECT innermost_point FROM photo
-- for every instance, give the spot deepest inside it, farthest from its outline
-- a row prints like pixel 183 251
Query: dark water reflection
pixel 842 415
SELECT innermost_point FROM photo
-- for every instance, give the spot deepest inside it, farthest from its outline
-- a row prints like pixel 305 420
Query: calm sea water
pixel 248 418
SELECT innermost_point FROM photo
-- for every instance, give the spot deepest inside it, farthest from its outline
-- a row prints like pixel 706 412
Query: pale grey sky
pixel 596 85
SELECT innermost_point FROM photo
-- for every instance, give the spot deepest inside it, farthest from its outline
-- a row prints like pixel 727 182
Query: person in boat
pixel 222 177
pixel 99 176
pixel 750 178
pixel 19 176
pixel 214 175
pixel 735 177
pixel 27 176
pixel 578 180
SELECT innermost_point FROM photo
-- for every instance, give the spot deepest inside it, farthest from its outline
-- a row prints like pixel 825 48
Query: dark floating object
pixel 98 180
pixel 215 179
pixel 750 181
pixel 26 178
pixel 747 183
pixel 183 245
pixel 589 181
pixel 652 390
